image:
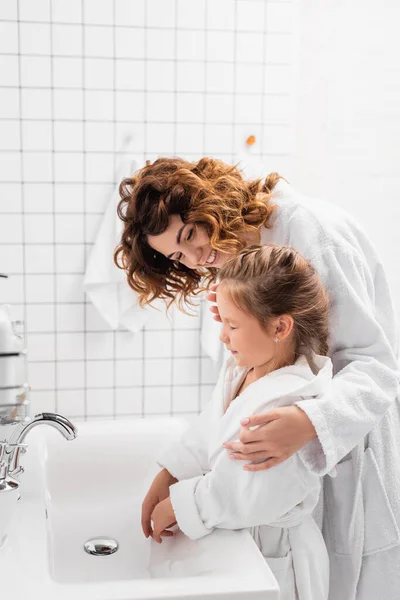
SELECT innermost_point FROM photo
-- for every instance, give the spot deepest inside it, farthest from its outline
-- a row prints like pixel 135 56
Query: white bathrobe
pixel 214 491
pixel 358 419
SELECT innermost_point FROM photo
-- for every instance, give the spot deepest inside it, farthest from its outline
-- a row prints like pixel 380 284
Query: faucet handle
pixel 6 448
pixel 7 481
pixel 7 451
pixel 3 446
pixel 3 469
pixel 16 445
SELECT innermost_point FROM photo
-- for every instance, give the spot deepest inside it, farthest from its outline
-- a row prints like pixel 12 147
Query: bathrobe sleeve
pixel 366 378
pixel 188 457
pixel 230 498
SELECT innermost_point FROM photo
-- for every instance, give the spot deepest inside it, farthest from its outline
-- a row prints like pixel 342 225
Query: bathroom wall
pixel 77 79
pixel 348 115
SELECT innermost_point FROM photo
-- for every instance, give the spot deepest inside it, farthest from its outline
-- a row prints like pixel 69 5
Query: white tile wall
pixel 188 77
pixel 348 116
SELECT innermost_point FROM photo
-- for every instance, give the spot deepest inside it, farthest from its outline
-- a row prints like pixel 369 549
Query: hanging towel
pixel 104 283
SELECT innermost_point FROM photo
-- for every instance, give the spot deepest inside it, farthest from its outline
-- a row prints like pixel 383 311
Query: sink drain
pixel 101 546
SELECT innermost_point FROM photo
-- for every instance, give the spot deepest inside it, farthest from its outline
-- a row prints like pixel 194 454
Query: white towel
pixel 105 284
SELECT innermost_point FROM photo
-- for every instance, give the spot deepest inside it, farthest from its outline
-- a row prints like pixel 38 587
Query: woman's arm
pixel 366 376
pixel 280 433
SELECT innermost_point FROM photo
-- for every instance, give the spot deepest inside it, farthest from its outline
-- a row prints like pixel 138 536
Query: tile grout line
pixel 84 177
pixel 114 333
pixel 24 291
pixel 264 84
pixel 54 247
pixel 144 329
pixel 174 147
pixel 205 97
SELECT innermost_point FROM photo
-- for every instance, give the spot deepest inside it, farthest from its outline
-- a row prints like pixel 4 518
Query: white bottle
pixel 12 356
pixel 10 342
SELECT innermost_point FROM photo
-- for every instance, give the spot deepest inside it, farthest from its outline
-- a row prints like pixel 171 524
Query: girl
pixel 182 221
pixel 275 319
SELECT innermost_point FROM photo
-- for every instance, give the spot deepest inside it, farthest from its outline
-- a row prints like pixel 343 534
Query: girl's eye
pixel 179 256
pixel 233 327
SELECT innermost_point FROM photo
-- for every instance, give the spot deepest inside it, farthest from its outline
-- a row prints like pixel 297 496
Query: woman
pixel 182 221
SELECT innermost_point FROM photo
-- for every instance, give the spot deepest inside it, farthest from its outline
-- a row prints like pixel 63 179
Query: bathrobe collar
pixel 275 389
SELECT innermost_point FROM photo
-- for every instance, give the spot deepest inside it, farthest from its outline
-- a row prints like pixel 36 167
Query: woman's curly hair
pixel 209 193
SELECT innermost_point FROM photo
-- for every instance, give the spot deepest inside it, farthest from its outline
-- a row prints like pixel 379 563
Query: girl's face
pixel 187 243
pixel 250 344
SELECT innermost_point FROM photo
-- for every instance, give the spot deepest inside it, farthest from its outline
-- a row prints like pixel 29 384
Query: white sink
pixel 93 487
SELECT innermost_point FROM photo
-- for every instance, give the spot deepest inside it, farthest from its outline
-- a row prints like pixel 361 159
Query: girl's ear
pixel 284 327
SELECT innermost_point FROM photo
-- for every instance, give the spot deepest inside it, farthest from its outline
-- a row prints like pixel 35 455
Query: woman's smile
pixel 211 259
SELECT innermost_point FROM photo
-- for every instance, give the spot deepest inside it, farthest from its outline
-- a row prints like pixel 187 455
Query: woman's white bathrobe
pixel 214 491
pixel 358 419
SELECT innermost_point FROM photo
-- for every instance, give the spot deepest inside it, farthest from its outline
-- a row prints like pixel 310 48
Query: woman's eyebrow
pixel 178 238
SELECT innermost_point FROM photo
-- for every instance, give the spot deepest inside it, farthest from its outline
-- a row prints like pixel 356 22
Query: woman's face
pixel 187 243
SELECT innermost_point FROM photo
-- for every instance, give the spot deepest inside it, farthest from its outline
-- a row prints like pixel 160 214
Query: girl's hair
pixel 209 193
pixel 269 281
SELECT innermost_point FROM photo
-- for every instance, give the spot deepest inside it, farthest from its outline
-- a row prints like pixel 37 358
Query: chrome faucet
pixel 14 446
pixel 9 462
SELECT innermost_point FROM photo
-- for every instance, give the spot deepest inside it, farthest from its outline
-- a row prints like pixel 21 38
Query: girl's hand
pixel 163 517
pixel 212 297
pixel 281 433
pixel 159 490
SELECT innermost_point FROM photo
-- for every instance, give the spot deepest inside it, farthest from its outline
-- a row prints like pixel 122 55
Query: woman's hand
pixel 212 297
pixel 281 433
pixel 163 516
pixel 159 490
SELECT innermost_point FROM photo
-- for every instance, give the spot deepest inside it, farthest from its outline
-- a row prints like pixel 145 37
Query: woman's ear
pixel 284 327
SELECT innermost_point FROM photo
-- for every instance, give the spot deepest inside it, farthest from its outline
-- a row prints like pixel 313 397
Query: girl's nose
pixel 223 337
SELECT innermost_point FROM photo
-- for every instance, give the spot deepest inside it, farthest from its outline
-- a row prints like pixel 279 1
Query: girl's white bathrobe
pixel 276 504
pixel 358 419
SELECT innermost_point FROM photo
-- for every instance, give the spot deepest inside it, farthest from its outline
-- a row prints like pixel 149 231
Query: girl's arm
pixel 230 498
pixel 188 457
pixel 185 458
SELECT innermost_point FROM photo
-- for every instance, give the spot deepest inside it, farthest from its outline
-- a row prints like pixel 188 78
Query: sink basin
pixel 93 487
